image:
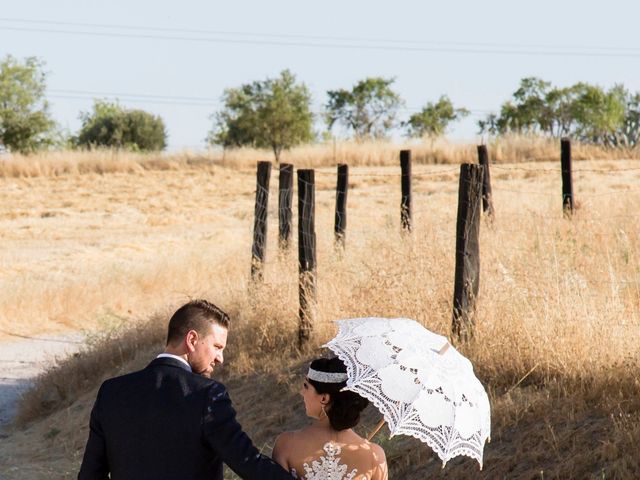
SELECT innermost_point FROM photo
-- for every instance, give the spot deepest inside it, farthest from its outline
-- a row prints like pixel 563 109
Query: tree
pixel 111 125
pixel 559 120
pixel 25 123
pixel 432 121
pixel 598 114
pixel 629 134
pixel 274 113
pixel 587 112
pixel 369 109
pixel 527 112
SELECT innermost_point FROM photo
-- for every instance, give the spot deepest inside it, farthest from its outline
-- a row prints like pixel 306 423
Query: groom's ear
pixel 190 340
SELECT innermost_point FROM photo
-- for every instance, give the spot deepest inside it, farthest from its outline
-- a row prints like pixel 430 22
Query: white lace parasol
pixel 422 388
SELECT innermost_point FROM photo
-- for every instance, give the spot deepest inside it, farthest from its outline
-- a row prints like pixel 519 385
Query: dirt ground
pixel 22 359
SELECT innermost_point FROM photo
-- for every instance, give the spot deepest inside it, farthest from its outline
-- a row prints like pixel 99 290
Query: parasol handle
pixel 443 350
pixel 376 430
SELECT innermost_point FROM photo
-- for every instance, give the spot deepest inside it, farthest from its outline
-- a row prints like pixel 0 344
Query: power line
pixel 141 95
pixel 318 37
pixel 135 100
pixel 169 99
pixel 341 46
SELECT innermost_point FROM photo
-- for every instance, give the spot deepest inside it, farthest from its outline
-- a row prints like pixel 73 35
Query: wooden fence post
pixel 487 201
pixel 285 201
pixel 567 177
pixel 405 203
pixel 260 220
pixel 341 204
pixel 467 273
pixel 306 254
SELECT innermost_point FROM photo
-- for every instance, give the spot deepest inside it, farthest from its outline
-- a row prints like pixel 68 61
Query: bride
pixel 329 449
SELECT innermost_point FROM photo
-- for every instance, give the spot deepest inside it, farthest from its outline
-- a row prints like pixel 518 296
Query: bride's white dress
pixel 327 467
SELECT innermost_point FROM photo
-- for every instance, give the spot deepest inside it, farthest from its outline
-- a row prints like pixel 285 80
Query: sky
pixel 175 59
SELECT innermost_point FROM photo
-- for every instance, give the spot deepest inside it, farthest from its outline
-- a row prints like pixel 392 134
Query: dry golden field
pixel 113 249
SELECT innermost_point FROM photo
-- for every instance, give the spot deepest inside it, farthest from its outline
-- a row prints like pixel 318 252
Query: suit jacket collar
pixel 169 362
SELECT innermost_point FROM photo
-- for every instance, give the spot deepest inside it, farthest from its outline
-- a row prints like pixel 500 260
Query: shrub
pixel 111 125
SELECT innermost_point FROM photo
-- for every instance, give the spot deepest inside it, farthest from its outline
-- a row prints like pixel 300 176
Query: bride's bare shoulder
pixel 284 440
pixel 289 446
pixel 283 447
pixel 377 450
pixel 379 462
pixel 364 443
pixel 287 439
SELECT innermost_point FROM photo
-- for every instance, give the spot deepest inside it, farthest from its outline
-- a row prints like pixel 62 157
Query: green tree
pixel 25 123
pixel 629 134
pixel 586 112
pixel 369 109
pixel 530 109
pixel 598 114
pixel 559 120
pixel 111 125
pixel 489 124
pixel 432 121
pixel 274 113
pixel 526 113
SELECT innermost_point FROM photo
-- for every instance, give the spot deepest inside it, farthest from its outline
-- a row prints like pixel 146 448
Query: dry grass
pixel 56 163
pixel 88 250
pixel 557 323
pixel 507 149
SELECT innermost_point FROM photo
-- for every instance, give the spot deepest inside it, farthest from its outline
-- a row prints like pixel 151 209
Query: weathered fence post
pixel 285 201
pixel 405 203
pixel 260 220
pixel 467 273
pixel 567 177
pixel 487 201
pixel 306 254
pixel 341 204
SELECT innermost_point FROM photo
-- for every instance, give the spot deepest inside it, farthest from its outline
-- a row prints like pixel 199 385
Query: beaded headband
pixel 326 377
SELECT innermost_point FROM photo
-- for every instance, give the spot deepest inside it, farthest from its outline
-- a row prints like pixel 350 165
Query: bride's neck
pixel 322 423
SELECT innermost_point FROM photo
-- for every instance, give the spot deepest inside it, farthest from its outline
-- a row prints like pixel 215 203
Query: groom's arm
pixel 226 437
pixel 94 463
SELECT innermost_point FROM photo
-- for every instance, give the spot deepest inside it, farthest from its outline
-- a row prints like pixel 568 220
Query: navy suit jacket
pixel 166 423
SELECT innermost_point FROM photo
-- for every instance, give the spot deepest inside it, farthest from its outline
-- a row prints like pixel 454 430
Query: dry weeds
pixel 557 322
pixel 506 149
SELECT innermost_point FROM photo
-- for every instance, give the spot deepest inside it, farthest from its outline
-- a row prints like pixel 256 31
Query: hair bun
pixel 345 406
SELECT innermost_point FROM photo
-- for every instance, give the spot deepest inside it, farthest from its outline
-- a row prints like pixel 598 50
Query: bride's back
pixel 315 453
pixel 328 449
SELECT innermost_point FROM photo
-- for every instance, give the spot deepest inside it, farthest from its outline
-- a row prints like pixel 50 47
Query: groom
pixel 169 421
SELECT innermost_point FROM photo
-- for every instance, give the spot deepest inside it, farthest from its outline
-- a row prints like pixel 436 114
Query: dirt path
pixel 21 360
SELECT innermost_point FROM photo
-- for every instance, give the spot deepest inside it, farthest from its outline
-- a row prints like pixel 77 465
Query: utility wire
pixel 136 100
pixel 341 46
pixel 317 37
pixel 141 95
pixel 168 99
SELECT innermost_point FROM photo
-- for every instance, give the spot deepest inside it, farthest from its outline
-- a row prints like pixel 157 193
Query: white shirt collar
pixel 175 357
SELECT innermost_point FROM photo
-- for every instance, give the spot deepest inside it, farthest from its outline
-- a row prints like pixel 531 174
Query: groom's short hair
pixel 195 315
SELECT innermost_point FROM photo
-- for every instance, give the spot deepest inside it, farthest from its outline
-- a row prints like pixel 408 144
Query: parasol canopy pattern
pixel 421 385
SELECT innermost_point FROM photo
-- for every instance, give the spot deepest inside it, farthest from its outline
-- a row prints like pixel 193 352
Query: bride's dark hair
pixel 344 407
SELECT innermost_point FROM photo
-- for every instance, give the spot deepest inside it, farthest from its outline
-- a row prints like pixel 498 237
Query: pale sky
pixel 175 59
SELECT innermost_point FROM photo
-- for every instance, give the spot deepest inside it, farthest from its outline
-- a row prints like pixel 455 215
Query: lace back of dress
pixel 327 467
